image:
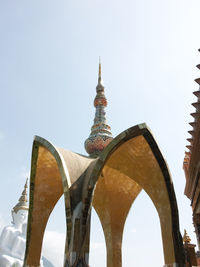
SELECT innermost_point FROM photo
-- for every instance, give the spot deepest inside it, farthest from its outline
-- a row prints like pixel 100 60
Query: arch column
pixel 135 154
pixel 113 197
pixel 53 172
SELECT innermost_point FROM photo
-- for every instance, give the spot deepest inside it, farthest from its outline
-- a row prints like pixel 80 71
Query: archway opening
pixel 142 240
pixel 97 242
pixel 54 237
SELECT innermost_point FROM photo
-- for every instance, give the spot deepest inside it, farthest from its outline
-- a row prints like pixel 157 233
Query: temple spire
pixel 23 201
pixel 100 135
pixel 99 78
pixel 186 238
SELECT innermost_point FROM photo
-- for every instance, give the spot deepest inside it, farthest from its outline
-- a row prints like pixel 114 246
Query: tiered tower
pixel 100 135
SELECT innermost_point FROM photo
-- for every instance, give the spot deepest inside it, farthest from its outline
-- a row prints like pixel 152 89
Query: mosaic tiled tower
pixel 100 135
pixel 109 180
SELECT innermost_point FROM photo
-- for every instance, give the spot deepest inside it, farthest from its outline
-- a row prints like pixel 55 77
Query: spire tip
pixel 99 69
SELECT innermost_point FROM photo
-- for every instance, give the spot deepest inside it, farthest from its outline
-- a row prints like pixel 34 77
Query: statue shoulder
pixel 9 232
pixel 9 228
pixel 6 230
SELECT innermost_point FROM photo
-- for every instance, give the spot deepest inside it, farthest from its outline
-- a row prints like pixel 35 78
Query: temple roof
pixel 191 156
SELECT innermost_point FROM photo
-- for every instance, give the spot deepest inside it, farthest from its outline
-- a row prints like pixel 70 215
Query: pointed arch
pixel 113 197
pixel 98 243
pixel 142 235
pixel 53 171
pixel 135 154
pixel 111 182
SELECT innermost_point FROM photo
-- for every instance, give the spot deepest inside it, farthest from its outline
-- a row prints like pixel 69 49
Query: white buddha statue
pixel 19 245
pixel 13 237
pixel 16 257
pixel 9 233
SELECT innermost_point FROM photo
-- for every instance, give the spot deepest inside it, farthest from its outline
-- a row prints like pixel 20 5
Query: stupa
pixel 116 169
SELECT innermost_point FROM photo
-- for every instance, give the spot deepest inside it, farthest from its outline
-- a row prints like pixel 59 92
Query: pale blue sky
pixel 48 73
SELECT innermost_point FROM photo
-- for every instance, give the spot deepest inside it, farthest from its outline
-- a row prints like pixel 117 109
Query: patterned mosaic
pixel 97 143
pixel 100 135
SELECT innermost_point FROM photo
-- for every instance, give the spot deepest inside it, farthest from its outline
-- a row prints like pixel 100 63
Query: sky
pixel 49 54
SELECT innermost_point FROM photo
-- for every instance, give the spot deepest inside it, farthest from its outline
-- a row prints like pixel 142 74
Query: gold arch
pixel 131 162
pixel 54 171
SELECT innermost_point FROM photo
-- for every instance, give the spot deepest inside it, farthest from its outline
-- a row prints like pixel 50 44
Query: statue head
pixel 20 217
pixel 20 211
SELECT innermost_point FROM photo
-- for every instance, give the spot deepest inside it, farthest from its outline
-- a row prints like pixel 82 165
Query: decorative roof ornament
pixel 23 201
pixel 186 238
pixel 100 135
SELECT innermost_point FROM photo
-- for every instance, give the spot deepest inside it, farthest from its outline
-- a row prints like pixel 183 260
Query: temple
pixel 116 168
pixel 190 255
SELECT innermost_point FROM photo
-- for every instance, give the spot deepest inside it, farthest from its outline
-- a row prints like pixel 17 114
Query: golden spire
pixel 99 78
pixel 186 238
pixel 22 202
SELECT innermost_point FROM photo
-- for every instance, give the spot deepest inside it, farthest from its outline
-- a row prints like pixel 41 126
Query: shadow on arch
pixel 131 162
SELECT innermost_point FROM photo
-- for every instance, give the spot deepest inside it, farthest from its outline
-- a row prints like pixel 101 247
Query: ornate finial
pixel 22 202
pixel 186 238
pixel 100 135
pixel 99 78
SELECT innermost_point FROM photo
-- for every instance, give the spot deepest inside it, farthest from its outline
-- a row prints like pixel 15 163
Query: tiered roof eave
pixel 188 163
